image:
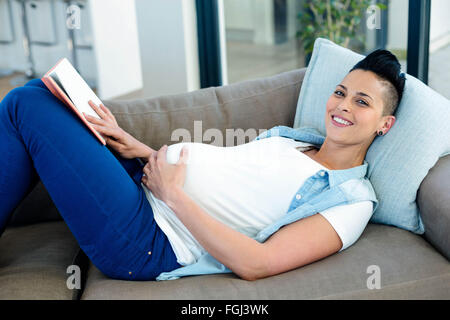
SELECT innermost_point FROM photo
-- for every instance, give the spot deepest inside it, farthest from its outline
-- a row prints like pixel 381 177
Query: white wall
pixel 223 43
pixel 239 14
pixel 440 24
pixel 253 21
pixel 293 8
pixel 116 44
pixel 397 25
pixel 168 44
pixel 191 45
pixel 250 20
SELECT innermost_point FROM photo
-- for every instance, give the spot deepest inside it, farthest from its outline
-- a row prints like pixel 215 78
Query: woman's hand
pixel 162 178
pixel 121 141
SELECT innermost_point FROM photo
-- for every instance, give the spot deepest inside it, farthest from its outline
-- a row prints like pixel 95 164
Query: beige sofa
pixel 37 247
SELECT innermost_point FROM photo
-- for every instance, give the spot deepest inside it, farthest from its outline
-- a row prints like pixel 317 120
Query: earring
pixel 380 133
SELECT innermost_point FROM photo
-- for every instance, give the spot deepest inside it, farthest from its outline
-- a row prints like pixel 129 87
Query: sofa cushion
pixel 34 260
pixel 253 104
pixel 399 160
pixel 409 268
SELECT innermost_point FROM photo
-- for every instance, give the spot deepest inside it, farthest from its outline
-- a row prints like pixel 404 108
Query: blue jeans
pixel 97 192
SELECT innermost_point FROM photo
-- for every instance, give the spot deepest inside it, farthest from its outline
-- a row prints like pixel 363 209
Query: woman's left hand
pixel 162 178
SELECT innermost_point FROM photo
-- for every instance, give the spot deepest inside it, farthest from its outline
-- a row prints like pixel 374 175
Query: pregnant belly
pixel 236 184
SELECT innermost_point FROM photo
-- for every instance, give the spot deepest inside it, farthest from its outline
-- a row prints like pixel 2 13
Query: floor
pixel 7 83
pixel 246 61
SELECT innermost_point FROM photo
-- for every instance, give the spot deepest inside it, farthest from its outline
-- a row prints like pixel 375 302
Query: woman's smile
pixel 339 122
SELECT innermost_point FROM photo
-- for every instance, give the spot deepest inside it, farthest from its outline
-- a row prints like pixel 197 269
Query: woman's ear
pixel 388 123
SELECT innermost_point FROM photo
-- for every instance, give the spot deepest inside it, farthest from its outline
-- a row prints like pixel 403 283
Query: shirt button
pixel 298 196
pixel 129 273
pixel 149 252
pixel 322 173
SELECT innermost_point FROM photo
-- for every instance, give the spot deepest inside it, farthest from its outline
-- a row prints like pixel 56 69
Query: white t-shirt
pixel 248 187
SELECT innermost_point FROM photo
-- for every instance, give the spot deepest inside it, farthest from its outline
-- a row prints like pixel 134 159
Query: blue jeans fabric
pixel 97 192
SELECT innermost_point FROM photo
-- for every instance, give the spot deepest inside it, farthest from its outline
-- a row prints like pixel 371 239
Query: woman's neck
pixel 336 157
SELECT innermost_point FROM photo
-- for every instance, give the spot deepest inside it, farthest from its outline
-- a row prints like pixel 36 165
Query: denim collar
pixel 336 177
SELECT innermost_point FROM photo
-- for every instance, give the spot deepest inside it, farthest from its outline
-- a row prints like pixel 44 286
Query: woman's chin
pixel 339 130
pixel 339 134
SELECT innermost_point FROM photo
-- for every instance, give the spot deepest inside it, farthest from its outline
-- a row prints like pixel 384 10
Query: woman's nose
pixel 345 106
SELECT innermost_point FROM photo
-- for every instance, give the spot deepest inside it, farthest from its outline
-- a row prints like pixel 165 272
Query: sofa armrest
pixel 253 104
pixel 433 199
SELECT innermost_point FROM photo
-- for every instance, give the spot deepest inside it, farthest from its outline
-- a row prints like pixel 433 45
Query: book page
pixel 75 87
pixel 56 78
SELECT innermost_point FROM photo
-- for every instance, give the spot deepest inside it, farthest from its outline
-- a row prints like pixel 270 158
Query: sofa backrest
pixel 254 104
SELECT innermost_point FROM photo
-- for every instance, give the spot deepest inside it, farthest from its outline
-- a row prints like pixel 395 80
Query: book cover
pixel 67 85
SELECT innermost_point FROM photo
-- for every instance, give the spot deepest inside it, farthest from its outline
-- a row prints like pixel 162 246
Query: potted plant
pixel 336 20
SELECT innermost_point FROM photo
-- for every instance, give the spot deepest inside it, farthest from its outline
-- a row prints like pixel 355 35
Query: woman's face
pixel 359 100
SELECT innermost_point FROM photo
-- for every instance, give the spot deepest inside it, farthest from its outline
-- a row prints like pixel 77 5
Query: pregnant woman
pixel 288 198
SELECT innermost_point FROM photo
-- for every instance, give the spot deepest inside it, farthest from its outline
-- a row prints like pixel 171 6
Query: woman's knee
pixel 31 96
pixel 28 100
pixel 34 89
pixel 15 96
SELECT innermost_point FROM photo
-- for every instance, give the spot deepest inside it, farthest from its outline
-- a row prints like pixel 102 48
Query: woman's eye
pixel 339 93
pixel 363 102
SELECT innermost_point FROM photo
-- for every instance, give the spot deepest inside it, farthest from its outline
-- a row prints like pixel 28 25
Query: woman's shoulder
pixel 359 189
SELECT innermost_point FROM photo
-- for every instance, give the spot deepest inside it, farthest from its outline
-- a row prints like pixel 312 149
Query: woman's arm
pixel 300 243
pixel 144 152
pixel 244 256
pixel 293 246
pixel 121 141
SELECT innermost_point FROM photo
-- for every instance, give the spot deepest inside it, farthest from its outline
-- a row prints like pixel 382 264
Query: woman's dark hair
pixel 386 66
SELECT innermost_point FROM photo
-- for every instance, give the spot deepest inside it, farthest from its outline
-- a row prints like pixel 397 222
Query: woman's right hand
pixel 121 141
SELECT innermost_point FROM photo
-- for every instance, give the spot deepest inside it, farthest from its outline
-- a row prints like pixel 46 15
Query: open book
pixel 69 87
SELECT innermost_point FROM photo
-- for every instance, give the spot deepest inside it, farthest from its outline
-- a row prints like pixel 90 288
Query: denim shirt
pixel 323 190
